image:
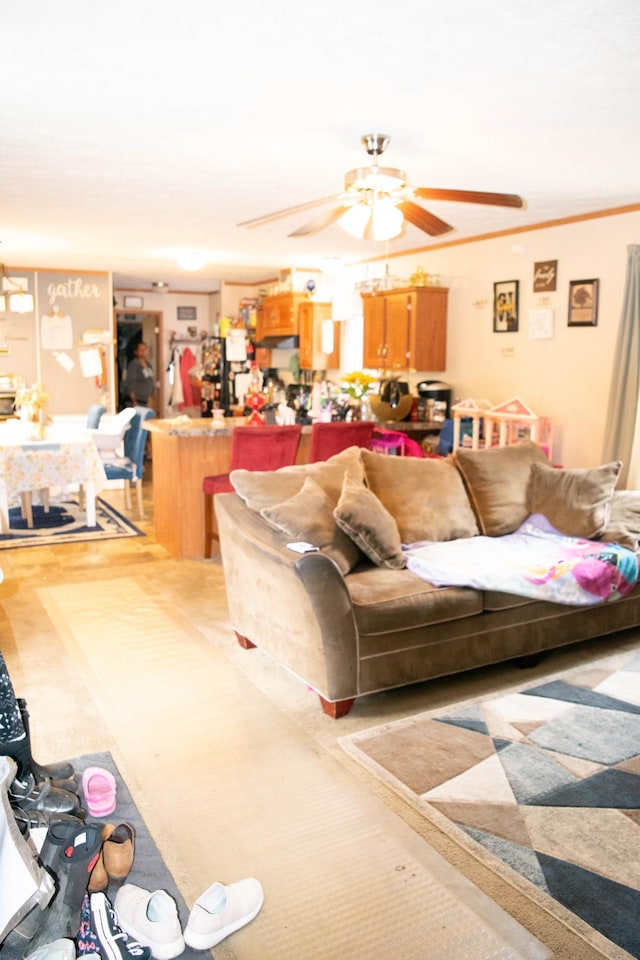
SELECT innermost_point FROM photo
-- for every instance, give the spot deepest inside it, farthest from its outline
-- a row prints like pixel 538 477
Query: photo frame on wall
pixel 545 274
pixel 583 303
pixel 505 306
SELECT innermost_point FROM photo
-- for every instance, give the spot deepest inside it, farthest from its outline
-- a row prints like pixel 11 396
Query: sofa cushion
pixel 426 497
pixel 369 524
pixel 266 488
pixel 394 601
pixel 497 482
pixel 308 516
pixel 623 526
pixel 575 502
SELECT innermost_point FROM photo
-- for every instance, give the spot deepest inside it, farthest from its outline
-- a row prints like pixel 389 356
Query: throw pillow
pixel 497 481
pixel 624 521
pixel 266 488
pixel 369 524
pixel 308 515
pixel 575 502
pixel 426 498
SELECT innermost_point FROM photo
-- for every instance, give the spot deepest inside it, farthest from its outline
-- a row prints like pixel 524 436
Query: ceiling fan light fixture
pixel 386 220
pixel 378 179
pixel 355 220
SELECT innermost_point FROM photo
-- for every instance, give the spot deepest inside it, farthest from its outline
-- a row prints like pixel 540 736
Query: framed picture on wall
pixel 505 306
pixel 136 303
pixel 583 303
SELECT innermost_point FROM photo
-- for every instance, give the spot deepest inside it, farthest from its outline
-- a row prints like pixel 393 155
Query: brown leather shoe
pixel 99 879
pixel 118 851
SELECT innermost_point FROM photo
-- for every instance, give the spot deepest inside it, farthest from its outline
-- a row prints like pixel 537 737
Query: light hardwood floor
pixel 236 770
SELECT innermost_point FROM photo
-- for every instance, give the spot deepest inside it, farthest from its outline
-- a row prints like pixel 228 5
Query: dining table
pixel 66 458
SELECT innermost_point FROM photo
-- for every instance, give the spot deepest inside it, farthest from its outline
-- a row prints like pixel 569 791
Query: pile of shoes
pixel 76 862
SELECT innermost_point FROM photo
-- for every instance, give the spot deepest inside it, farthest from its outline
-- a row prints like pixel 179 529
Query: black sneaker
pixel 101 933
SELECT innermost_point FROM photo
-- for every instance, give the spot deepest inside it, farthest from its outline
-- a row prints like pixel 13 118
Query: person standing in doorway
pixel 139 381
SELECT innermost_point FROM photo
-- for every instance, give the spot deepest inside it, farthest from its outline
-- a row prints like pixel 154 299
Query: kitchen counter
pixel 186 450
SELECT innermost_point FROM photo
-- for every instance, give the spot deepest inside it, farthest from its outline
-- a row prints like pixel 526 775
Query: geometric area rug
pixel 542 784
pixel 149 869
pixel 65 522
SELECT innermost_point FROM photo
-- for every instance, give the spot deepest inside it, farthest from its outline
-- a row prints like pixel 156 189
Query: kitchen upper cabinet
pixel 405 329
pixel 311 319
pixel 279 316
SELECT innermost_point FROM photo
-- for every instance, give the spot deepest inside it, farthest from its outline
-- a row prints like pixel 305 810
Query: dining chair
pixel 327 439
pixel 266 447
pixel 94 415
pixel 130 467
pixel 108 436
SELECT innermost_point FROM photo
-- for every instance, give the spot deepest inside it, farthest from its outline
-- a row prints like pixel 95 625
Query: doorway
pixel 131 328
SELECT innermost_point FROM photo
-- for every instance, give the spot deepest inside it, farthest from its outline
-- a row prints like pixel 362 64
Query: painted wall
pixel 567 377
pixel 45 345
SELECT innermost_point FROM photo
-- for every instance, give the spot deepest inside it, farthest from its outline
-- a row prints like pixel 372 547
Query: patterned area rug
pixel 66 523
pixel 149 869
pixel 543 784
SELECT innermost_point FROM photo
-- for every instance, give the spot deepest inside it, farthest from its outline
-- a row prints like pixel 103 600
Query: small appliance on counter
pixel 10 383
pixel 437 400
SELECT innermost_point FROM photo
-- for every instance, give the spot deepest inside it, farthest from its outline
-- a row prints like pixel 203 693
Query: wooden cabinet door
pixel 278 317
pixel 373 334
pixel 398 315
pixel 311 317
pixel 428 336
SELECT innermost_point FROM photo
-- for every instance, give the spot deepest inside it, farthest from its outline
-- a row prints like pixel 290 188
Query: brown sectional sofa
pixel 349 619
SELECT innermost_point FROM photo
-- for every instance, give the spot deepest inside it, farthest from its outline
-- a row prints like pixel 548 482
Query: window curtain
pixel 622 429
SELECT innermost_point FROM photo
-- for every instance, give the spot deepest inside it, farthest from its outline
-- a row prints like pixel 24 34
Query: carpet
pixel 149 869
pixel 66 523
pixel 542 783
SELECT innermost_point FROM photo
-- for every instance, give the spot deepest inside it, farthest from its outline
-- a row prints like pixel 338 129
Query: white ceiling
pixel 134 129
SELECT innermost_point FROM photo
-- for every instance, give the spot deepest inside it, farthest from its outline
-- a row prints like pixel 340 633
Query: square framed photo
pixel 505 306
pixel 583 303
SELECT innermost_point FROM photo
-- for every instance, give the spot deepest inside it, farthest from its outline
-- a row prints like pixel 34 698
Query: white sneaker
pixel 221 910
pixel 151 919
pixel 62 949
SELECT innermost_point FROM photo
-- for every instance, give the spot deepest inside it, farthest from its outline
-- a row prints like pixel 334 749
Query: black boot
pixel 46 798
pixel 29 820
pixel 69 854
pixel 60 771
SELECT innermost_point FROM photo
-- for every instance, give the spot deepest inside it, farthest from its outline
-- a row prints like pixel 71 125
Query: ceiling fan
pixel 377 201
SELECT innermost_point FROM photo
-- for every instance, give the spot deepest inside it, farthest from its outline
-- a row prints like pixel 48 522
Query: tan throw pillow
pixel 497 481
pixel 369 524
pixel 623 526
pixel 575 502
pixel 426 498
pixel 308 516
pixel 266 488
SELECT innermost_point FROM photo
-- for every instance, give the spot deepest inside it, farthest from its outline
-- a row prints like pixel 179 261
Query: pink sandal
pixel 99 788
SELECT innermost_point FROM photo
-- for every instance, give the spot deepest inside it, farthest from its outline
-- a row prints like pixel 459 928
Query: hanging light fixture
pixel 376 219
pixel 386 220
pixel 21 301
pixel 356 220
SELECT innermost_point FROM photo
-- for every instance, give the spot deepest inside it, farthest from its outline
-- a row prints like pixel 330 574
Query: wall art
pixel 583 303
pixel 505 306
pixel 545 275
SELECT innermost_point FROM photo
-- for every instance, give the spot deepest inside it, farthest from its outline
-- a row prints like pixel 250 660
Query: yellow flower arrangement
pixel 357 384
pixel 32 403
pixel 34 397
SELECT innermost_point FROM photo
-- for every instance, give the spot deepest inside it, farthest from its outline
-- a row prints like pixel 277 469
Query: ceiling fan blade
pixel 421 218
pixel 319 223
pixel 259 221
pixel 470 196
